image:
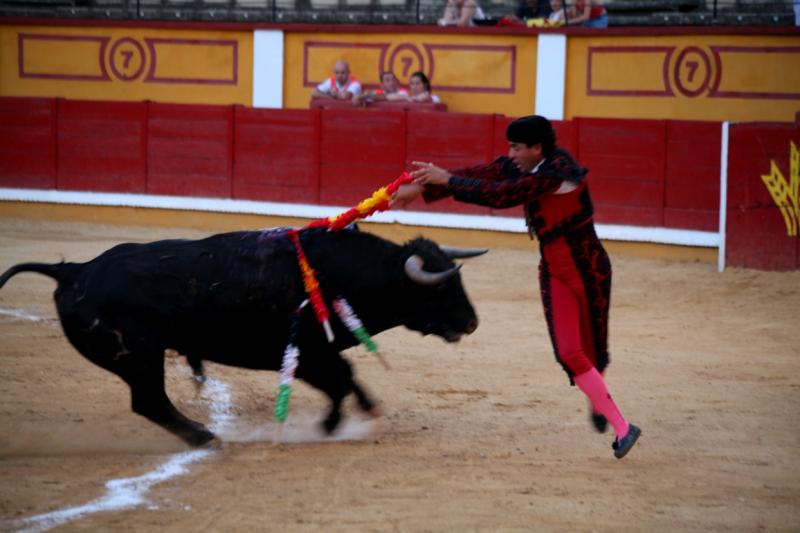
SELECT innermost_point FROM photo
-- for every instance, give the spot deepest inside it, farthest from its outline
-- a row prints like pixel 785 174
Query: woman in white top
pixel 461 13
pixel 420 89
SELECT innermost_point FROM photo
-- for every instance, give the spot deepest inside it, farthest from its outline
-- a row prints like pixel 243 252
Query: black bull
pixel 228 299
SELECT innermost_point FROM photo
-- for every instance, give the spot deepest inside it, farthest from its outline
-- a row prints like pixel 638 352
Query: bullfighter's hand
pixel 405 194
pixel 430 174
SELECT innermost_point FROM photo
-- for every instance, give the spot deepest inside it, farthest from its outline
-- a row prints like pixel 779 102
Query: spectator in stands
pixel 389 90
pixel 420 88
pixel 533 9
pixel 341 86
pixel 557 16
pixel 461 13
pixel 589 14
pixel 554 15
pixel 796 12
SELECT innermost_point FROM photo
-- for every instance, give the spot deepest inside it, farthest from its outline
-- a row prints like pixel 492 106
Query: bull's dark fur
pixel 228 299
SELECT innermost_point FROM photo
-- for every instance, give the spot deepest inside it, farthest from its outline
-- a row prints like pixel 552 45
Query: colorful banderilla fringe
pixel 379 201
pixel 356 327
pixel 288 368
pixel 311 286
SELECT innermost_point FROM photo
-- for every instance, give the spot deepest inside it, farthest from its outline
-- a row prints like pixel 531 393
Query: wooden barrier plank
pixel 626 162
pixel 360 151
pixel 692 175
pixel 28 150
pixel 759 234
pixel 190 150
pixel 757 239
pixel 101 146
pixel 276 155
pixel 753 145
pixel 451 140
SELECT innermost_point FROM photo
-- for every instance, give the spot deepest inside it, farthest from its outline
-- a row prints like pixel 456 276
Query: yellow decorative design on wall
pixel 786 195
pixel 132 64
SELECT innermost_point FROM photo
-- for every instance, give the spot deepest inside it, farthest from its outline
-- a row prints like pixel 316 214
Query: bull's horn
pixel 462 253
pixel 416 273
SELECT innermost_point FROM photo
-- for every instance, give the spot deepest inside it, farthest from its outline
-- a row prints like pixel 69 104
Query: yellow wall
pixel 95 63
pixel 470 73
pixel 693 77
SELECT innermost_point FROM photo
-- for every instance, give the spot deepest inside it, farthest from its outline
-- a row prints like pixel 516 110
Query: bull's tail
pixel 61 272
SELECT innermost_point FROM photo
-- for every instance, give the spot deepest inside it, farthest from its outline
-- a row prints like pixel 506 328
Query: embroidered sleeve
pixel 501 194
pixel 499 169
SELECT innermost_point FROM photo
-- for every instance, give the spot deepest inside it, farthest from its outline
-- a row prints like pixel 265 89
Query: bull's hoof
pixel 200 438
pixel 214 444
pixel 330 424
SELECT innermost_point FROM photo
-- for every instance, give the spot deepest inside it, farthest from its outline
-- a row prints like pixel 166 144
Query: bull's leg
pixel 198 373
pixel 140 365
pixel 364 401
pixel 149 399
pixel 331 374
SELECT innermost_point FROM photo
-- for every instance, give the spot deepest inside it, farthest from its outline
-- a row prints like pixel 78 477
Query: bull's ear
pixel 462 253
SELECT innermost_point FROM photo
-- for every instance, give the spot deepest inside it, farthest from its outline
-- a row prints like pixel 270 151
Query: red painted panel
pixel 276 155
pixel 567 136
pixel 500 143
pixel 694 219
pixel 624 192
pixel 626 162
pixel 797 254
pixel 28 150
pixel 757 233
pixel 190 150
pixel 361 151
pixel 692 175
pixel 757 238
pixel 451 140
pixel 101 146
pixel 750 150
pixel 627 215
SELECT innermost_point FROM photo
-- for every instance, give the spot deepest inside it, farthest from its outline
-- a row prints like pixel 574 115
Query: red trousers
pixel 575 283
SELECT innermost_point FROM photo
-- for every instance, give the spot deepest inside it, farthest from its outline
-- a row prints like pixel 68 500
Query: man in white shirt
pixel 341 86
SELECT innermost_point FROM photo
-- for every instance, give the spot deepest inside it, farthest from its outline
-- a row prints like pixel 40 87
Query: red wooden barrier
pixel 276 155
pixel 644 172
pixel 28 147
pixel 190 150
pixel 626 161
pixel 450 140
pixel 759 234
pixel 102 146
pixel 360 151
pixel 691 199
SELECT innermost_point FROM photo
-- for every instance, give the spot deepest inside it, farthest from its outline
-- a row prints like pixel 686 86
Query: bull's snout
pixel 472 326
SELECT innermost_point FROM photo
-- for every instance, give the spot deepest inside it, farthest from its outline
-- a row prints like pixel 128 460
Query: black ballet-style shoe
pixel 599 422
pixel 623 446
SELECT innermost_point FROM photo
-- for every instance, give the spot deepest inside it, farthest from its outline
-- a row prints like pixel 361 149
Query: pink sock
pixel 594 387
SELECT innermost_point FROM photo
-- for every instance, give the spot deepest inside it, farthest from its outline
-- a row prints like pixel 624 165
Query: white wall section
pixel 268 69
pixel 551 66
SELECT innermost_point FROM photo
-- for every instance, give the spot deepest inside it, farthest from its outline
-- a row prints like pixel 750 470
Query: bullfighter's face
pixel 524 156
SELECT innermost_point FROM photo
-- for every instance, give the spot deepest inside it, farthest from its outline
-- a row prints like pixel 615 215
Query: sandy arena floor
pixel 485 435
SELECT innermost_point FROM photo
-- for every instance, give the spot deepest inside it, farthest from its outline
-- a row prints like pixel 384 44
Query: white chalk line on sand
pixel 130 492
pixel 19 313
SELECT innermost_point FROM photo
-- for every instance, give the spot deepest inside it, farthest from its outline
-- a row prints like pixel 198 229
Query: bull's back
pixel 202 292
